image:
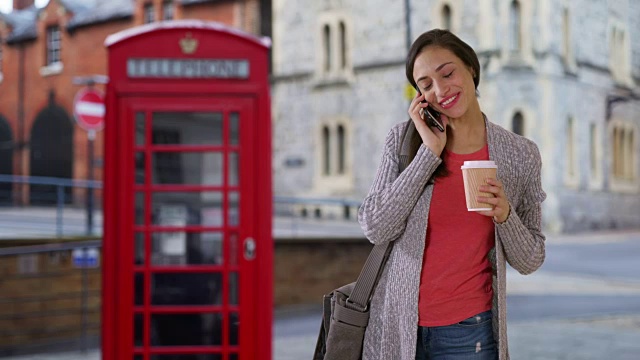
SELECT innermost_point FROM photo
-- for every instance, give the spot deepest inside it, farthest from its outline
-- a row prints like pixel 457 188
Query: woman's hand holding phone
pixel 431 136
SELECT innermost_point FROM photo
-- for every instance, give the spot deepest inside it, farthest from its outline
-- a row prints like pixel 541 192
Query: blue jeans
pixel 470 339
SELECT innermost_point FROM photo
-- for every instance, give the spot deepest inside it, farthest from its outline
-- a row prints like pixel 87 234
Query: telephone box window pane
pixel 138 330
pixel 233 169
pixel 138 289
pixel 192 168
pixel 234 128
pixel 140 129
pixel 233 288
pixel 138 357
pixel 186 289
pixel 234 324
pixel 178 209
pixel 234 212
pixel 233 356
pixel 139 249
pixel 140 167
pixel 186 329
pixel 187 248
pixel 139 210
pixel 187 128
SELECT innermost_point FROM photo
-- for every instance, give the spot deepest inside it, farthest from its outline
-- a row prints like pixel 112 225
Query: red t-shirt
pixel 455 283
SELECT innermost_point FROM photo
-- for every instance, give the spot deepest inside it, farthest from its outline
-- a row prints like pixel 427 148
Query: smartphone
pixel 433 115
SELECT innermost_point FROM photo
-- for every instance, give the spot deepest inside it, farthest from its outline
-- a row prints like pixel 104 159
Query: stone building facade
pixel 565 74
pixel 43 53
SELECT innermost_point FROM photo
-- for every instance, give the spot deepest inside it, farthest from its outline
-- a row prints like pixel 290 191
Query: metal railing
pixel 50 298
pixel 51 208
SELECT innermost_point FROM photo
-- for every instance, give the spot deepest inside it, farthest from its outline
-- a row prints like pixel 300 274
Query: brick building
pixel 43 54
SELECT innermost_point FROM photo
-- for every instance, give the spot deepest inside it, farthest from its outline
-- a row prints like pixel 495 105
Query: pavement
pixel 574 307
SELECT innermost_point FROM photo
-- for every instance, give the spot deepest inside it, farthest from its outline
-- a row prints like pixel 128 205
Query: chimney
pixel 22 4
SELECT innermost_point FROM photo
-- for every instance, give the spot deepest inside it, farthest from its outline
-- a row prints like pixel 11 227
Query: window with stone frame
pixel 446 17
pixel 515 27
pixel 619 56
pixel 334 50
pixel 624 157
pixel 595 157
pixel 517 123
pixel 54 45
pixel 570 154
pixel 567 41
pixel 334 149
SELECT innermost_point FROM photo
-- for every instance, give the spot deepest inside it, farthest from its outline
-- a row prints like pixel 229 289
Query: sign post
pixel 88 109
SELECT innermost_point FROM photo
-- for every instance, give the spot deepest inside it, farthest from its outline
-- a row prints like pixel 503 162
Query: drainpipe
pixel 407 22
pixel 22 143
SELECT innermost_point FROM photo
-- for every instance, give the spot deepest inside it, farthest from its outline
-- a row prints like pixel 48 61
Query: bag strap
pixel 367 280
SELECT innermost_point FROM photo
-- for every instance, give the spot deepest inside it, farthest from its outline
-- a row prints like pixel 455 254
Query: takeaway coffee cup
pixel 474 174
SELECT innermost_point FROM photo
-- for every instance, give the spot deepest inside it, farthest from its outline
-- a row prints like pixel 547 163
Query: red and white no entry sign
pixel 88 108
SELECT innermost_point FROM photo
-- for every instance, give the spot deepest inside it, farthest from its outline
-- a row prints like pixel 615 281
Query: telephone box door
pixel 191 264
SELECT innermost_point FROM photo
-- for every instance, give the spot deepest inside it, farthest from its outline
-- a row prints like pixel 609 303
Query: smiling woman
pixel 443 292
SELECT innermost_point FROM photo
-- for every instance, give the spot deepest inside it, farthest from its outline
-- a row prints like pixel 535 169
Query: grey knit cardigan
pixel 397 208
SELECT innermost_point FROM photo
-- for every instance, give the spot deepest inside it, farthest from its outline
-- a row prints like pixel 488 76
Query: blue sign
pixel 86 258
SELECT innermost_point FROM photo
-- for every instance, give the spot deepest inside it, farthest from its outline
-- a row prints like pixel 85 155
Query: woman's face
pixel 445 80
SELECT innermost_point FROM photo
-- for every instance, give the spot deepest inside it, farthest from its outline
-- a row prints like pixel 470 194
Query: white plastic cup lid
pixel 486 164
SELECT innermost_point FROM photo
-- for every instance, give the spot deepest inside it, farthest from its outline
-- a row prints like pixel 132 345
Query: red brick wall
pixel 83 54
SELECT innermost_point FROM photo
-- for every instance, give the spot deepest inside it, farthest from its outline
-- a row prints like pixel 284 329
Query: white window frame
pixel 168 8
pixel 148 13
pixel 1 59
pixel 52 66
pixel 335 179
pixel 334 55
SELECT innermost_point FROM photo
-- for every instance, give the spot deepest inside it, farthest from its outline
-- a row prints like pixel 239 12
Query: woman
pixel 442 294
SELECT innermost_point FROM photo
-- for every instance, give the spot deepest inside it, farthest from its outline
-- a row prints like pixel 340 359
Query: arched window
pixel 570 146
pixel 326 152
pixel 51 153
pixel 566 36
pixel 446 17
pixel 593 156
pixel 341 149
pixel 616 152
pixel 343 45
pixel 628 154
pixel 515 27
pixel 327 48
pixel 517 123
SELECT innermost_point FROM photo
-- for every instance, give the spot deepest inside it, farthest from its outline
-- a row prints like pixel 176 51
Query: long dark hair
pixel 447 40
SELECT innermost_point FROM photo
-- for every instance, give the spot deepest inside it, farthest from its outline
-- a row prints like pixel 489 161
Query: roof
pixel 23 24
pixel 103 11
pixel 85 12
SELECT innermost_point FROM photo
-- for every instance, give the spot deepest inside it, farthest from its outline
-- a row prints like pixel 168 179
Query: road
pixel 583 304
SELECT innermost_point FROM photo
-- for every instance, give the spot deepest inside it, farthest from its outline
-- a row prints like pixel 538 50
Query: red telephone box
pixel 187 238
